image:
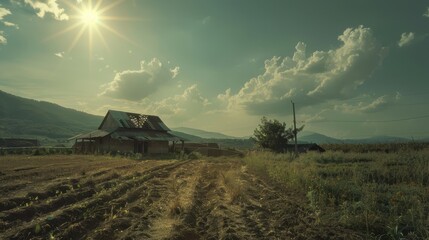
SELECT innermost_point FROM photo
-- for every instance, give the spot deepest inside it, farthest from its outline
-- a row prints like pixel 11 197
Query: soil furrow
pixel 107 198
pixel 93 209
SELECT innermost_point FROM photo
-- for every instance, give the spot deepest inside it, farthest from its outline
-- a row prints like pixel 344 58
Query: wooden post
pixel 294 129
pixel 75 145
pixel 174 146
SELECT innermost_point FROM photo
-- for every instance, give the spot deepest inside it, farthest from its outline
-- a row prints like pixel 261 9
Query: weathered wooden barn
pixel 128 132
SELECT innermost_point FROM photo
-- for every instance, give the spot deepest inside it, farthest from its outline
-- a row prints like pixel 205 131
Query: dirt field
pixel 87 197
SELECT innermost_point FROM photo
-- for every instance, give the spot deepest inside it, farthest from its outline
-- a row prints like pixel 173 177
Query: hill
pixel 202 133
pixel 22 117
pixel 318 138
pixel 323 139
pixel 189 137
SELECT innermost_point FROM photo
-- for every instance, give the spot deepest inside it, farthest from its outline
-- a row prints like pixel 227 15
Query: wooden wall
pixel 107 144
pixel 158 147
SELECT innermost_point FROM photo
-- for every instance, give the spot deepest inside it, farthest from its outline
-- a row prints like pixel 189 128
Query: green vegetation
pixel 21 117
pixel 379 147
pixel 35 151
pixel 272 134
pixel 380 195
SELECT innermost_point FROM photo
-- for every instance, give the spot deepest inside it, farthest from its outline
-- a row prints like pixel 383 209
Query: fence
pixel 37 150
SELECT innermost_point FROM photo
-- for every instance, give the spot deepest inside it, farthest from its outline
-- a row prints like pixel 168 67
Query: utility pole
pixel 294 129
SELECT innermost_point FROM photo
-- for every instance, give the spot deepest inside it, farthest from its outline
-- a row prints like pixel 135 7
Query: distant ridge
pixel 187 137
pixel 202 133
pixel 27 118
pixel 23 117
pixel 318 138
pixel 323 139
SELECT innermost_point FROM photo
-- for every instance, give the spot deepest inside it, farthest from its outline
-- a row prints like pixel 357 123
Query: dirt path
pixel 199 199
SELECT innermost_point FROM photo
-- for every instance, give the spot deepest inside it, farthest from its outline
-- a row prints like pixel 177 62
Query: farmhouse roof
pixel 118 119
pixel 145 135
pixel 131 126
pixel 93 134
pixel 130 135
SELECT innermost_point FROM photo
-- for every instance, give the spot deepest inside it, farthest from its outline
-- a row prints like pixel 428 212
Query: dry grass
pixel 233 185
pixel 384 195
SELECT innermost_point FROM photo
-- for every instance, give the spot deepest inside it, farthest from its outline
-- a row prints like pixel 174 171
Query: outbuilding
pixel 128 132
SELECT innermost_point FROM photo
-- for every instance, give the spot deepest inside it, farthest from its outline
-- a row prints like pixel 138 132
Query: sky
pixel 353 69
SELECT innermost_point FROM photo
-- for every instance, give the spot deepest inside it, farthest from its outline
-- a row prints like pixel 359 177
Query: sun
pixel 91 18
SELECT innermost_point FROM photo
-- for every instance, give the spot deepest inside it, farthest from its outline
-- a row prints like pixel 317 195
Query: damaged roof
pixel 118 119
pixel 145 135
pixel 93 134
pixel 131 126
pixel 130 135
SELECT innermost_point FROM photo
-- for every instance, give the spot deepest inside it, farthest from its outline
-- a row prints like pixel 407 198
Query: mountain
pixel 22 117
pixel 323 139
pixel 186 136
pixel 202 133
pixel 27 118
pixel 380 139
pixel 318 138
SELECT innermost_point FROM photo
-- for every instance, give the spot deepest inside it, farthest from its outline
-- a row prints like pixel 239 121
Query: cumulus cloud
pixel 3 40
pixel 375 105
pixel 320 77
pixel 48 6
pixel 9 24
pixel 181 106
pixel 135 85
pixel 60 54
pixel 3 13
pixel 406 39
pixel 426 14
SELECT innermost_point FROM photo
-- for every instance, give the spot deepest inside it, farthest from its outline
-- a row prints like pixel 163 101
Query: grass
pixel 382 195
pixel 231 180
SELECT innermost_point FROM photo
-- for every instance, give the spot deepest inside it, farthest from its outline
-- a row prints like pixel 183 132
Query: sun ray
pixel 100 35
pixel 114 18
pixel 76 25
pixel 76 39
pixel 90 42
pixel 118 34
pixel 90 17
pixel 108 7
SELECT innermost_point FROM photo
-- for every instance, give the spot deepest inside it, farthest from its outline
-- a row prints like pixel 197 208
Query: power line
pixel 369 121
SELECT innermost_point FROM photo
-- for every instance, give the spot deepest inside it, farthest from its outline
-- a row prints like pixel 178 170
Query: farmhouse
pixel 128 132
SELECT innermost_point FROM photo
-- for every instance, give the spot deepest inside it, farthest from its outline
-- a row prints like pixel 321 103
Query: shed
pixel 128 132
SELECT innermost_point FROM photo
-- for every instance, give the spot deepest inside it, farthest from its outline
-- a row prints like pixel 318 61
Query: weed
pixel 382 194
pixel 175 207
pixel 231 180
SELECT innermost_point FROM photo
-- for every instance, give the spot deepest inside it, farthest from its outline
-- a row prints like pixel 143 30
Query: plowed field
pixel 87 197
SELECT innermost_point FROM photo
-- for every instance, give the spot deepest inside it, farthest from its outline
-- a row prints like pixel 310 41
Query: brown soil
pixel 87 197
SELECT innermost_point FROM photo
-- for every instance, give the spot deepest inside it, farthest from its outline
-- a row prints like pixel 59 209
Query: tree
pixel 273 134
